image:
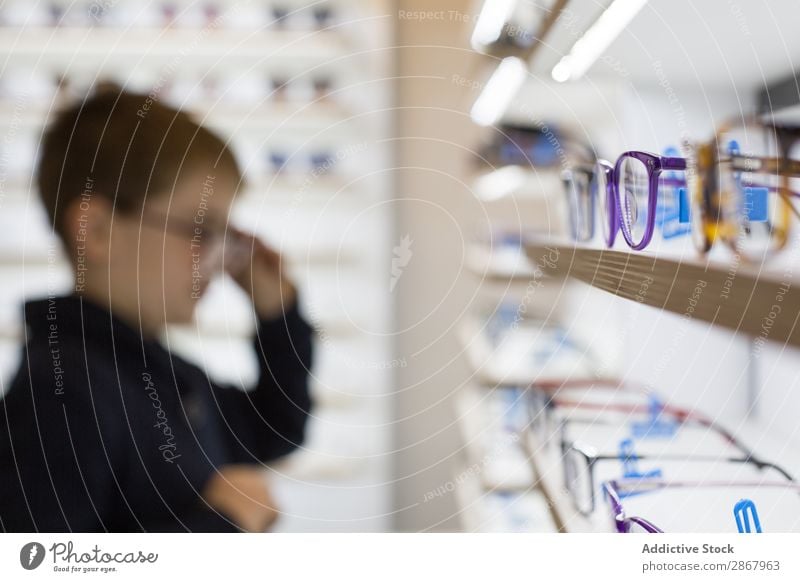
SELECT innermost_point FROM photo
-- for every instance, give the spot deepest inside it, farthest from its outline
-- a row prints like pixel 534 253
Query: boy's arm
pixel 269 421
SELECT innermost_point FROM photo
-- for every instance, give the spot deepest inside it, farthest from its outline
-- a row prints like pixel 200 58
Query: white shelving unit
pixel 632 308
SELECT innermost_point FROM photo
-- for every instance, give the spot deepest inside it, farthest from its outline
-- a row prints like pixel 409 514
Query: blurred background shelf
pixel 516 181
pixel 501 264
pixel 492 449
pixel 199 44
pixel 316 116
pixel 530 352
pixel 486 511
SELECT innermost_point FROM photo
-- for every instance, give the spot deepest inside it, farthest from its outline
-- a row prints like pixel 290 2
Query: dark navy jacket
pixel 101 430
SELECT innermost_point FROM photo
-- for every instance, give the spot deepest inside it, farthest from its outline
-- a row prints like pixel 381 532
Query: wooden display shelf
pixel 733 296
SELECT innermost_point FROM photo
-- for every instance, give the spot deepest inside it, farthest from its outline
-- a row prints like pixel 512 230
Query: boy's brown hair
pixel 124 146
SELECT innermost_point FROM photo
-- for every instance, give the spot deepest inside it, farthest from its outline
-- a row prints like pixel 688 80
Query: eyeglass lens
pixel 634 192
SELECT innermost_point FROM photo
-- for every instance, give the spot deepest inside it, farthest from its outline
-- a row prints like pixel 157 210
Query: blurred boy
pixel 103 429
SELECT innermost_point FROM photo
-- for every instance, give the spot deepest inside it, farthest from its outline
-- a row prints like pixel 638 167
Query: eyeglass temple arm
pixel 786 195
pixel 646 525
pixel 668 163
pixel 782 166
pixel 767 465
pixel 784 192
pixel 749 455
pixel 683 415
pixel 787 169
pixel 673 457
pixel 556 384
pixel 679 414
pixel 702 420
pixel 759 464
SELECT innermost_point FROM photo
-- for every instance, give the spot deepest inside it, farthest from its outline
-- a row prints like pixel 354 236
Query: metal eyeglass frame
pixel 591 459
pixel 543 397
pixel 551 395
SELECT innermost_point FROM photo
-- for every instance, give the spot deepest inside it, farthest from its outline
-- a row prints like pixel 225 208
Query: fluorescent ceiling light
pixel 588 48
pixel 494 14
pixel 499 91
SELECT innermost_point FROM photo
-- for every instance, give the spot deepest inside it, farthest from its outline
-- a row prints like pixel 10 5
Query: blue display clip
pixel 630 462
pixel 672 210
pixel 755 203
pixel 656 426
pixel 745 511
pixel 683 206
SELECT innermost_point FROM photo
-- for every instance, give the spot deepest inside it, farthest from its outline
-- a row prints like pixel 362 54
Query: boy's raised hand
pixel 258 270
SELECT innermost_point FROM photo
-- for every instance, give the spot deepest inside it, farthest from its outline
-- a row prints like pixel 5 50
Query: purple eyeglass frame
pixel 621 521
pixel 655 165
